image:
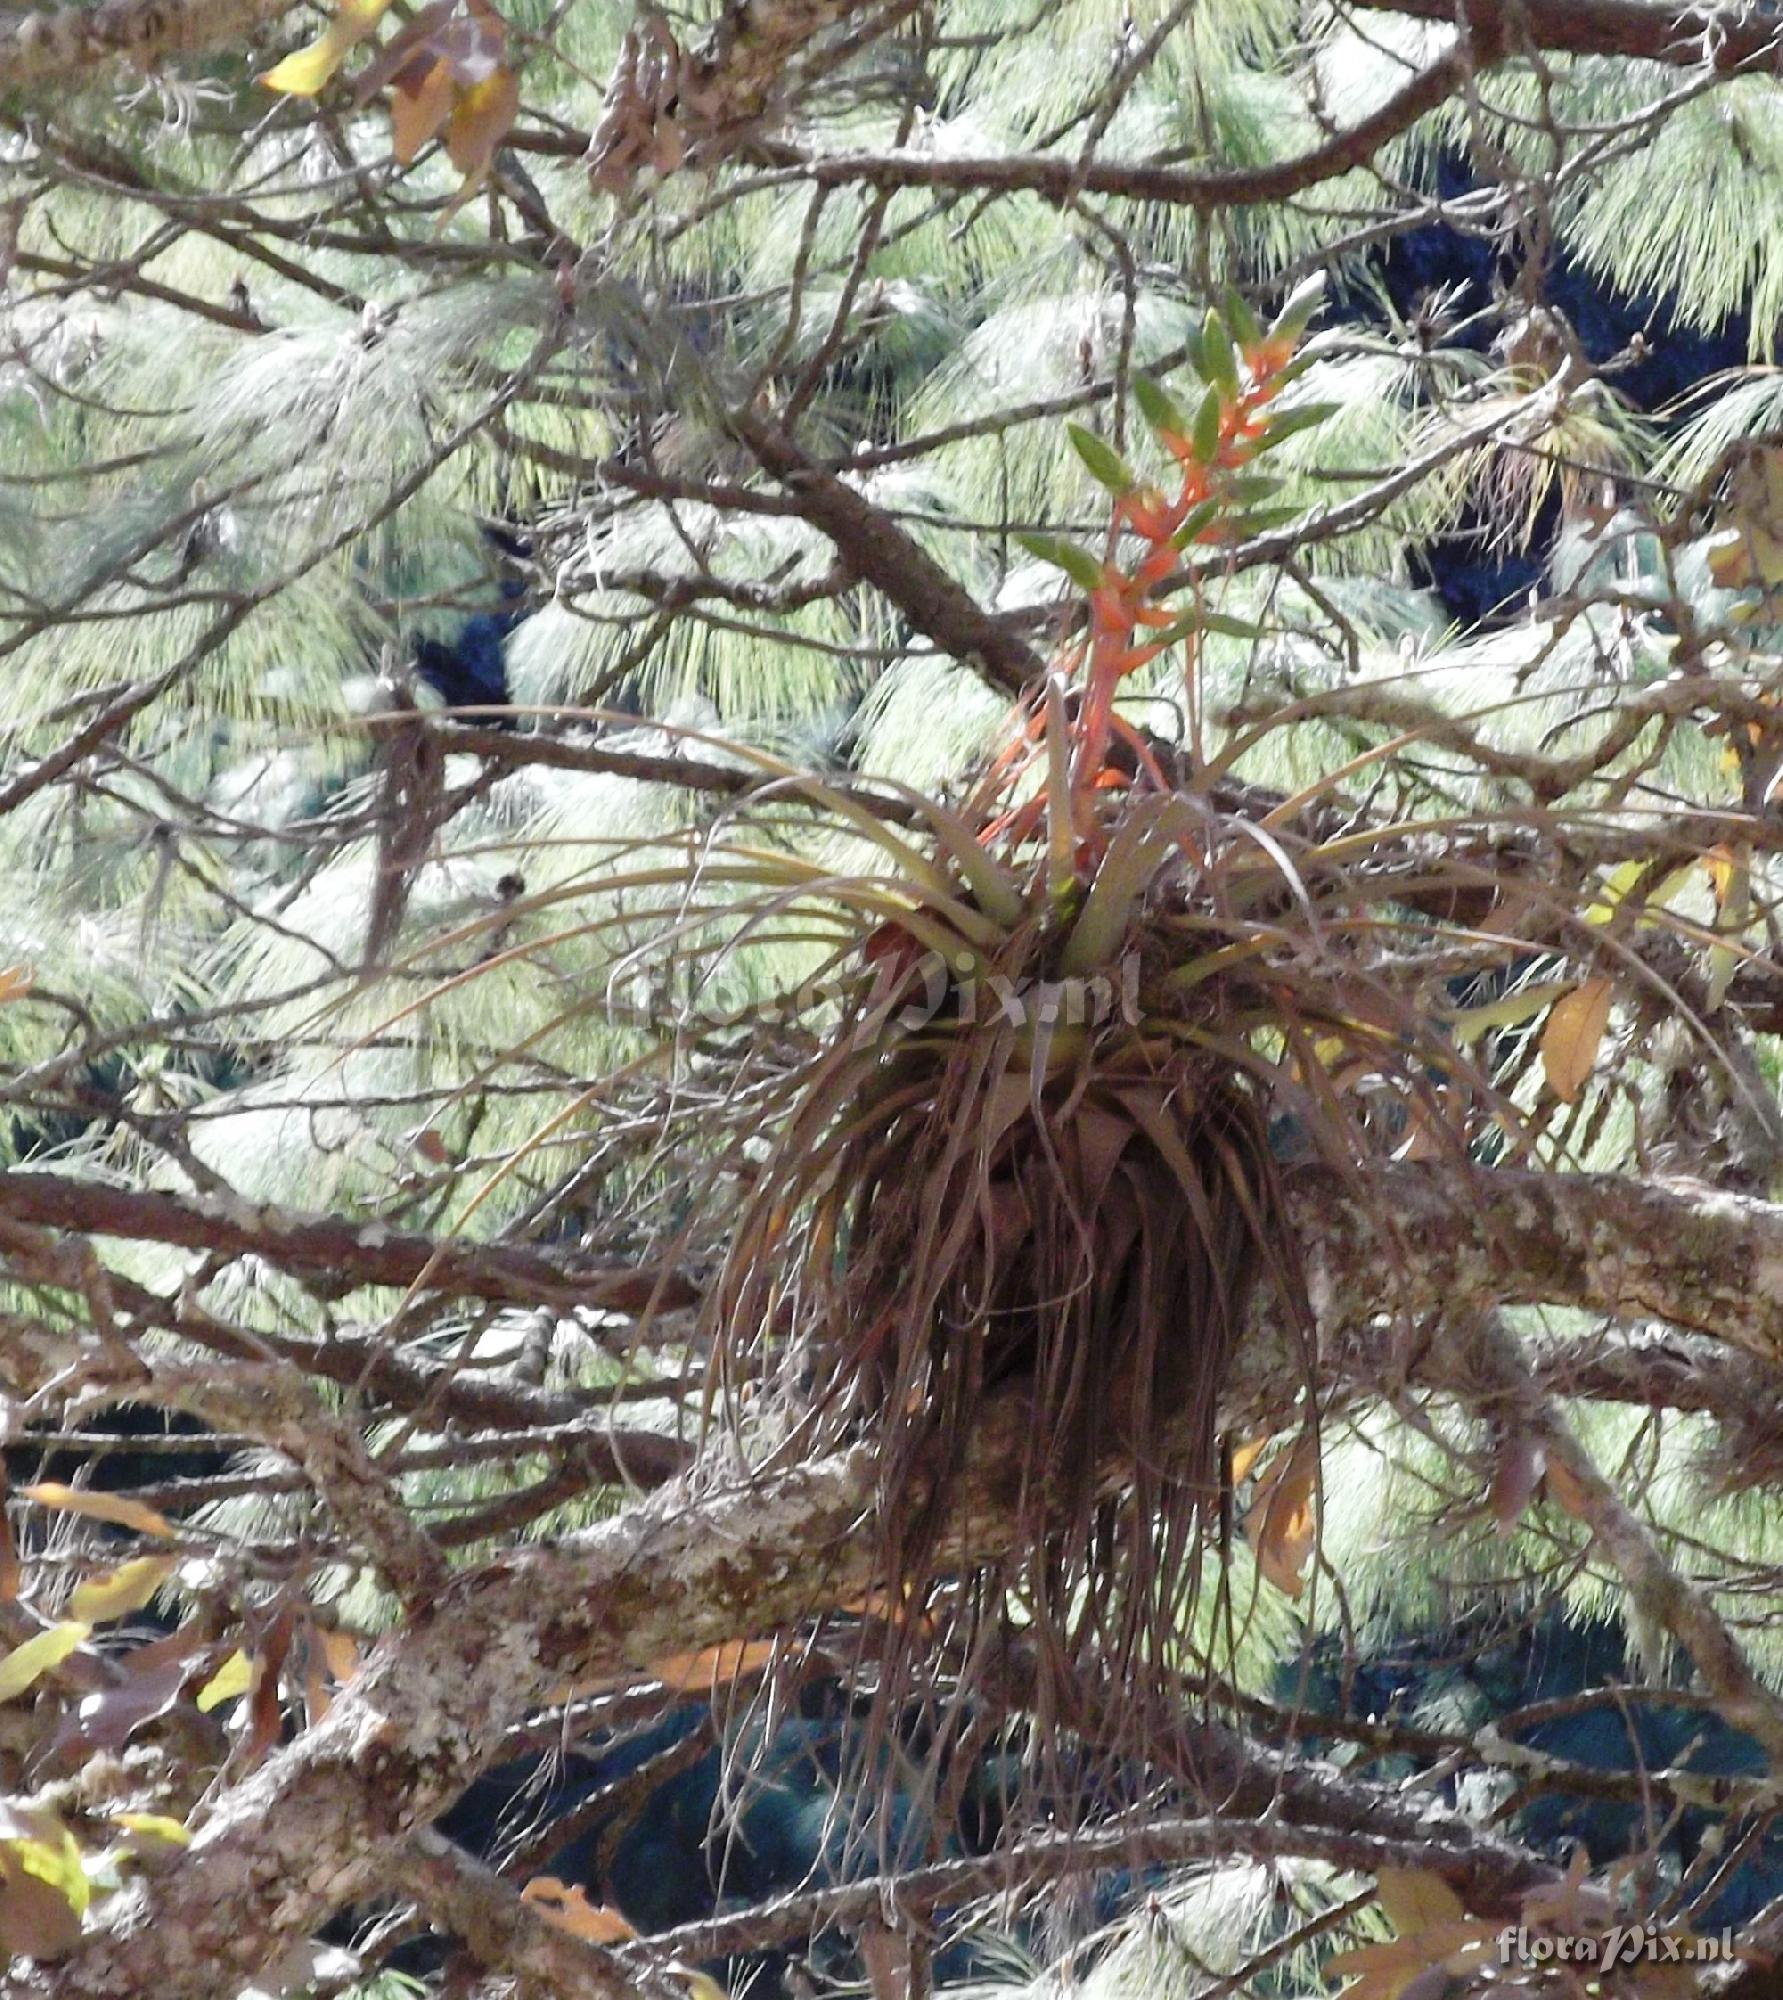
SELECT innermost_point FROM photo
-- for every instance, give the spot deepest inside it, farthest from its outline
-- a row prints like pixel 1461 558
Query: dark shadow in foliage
pixel 1439 273
pixel 750 1818
pixel 1446 1682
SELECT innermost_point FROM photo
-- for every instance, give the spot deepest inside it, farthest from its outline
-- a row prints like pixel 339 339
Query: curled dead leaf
pixel 1571 1038
pixel 564 1904
pixel 1279 1522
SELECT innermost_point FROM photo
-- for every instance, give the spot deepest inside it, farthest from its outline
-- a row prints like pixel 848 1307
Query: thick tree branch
pixel 319 1825
pixel 335 1255
pixel 879 552
pixel 1726 39
pixel 1059 179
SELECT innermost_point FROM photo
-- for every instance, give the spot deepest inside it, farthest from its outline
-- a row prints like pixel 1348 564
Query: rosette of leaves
pixel 1034 1149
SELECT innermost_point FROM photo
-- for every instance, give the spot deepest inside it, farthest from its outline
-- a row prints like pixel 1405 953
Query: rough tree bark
pixel 325 1820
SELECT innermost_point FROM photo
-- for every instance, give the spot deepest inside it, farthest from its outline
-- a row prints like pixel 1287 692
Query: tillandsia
pixel 1038 1147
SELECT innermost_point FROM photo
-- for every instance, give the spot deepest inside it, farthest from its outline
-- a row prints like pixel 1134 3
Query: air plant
pixel 1034 1148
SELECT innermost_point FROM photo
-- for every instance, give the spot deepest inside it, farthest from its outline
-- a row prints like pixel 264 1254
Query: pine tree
pixel 902 868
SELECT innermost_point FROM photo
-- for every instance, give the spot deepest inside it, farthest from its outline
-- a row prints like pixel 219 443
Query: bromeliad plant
pixel 1036 1147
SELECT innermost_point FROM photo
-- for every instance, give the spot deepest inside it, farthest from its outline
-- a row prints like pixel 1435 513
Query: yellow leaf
pixel 126 1588
pixel 23 1665
pixel 1570 1041
pixel 564 1904
pixel 1245 1455
pixel 701 1985
pixel 16 981
pixel 1417 1899
pixel 154 1826
pixel 112 1507
pixel 235 1676
pixel 304 71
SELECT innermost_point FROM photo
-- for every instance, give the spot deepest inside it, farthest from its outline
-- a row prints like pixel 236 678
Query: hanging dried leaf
pixel 1747 552
pixel 1562 1487
pixel 564 1904
pixel 341 1650
pixel 1521 1463
pixel 478 124
pixel 112 1507
pixel 1570 1041
pixel 26 1664
pixel 417 111
pixel 1245 1456
pixel 1279 1522
pixel 124 1589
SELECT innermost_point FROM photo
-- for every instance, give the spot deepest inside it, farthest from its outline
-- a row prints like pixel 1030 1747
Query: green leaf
pixel 1284 423
pixel 1221 368
pixel 1225 627
pixel 1296 314
pixel 1078 564
pixel 1245 489
pixel 1206 438
pixel 1194 521
pixel 1195 351
pixel 1246 327
pixel 1159 408
pixel 1104 464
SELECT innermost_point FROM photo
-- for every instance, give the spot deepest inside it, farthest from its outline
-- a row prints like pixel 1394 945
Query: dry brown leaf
pixel 43 1887
pixel 1570 1040
pixel 564 1904
pixel 711 1666
pixel 1521 1463
pixel 1561 1484
pixel 1279 1522
pixel 36 1919
pixel 416 114
pixel 341 1651
pixel 112 1507
pixel 480 122
pixel 1386 1971
pixel 16 981
pixel 1245 1455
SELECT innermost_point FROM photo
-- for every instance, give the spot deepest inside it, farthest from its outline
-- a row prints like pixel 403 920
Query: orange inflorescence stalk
pixel 1123 600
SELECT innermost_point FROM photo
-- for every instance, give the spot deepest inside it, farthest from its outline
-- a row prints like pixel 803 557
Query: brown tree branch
pixel 1059 179
pixel 333 1255
pixel 319 1825
pixel 1728 40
